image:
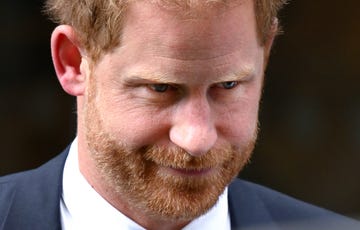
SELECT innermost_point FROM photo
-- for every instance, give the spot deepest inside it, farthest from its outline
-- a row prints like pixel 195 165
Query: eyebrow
pixel 243 73
pixel 151 78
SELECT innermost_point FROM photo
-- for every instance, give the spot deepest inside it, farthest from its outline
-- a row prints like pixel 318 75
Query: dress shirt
pixel 81 207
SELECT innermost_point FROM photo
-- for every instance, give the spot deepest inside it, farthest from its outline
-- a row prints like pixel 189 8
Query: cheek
pixel 239 127
pixel 134 124
pixel 238 123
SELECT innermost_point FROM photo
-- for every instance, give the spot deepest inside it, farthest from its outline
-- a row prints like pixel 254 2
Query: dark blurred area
pixel 309 144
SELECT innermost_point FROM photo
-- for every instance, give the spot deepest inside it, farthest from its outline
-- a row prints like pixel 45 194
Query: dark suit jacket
pixel 30 201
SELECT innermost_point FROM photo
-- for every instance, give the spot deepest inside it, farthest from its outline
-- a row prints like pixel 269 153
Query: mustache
pixel 178 158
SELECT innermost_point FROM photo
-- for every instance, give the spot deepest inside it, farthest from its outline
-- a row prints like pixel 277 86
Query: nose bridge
pixel 193 126
pixel 198 110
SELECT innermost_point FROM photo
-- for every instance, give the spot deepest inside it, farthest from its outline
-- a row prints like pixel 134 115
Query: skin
pixel 187 84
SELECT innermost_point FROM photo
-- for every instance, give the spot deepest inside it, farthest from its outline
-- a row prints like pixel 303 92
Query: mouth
pixel 190 172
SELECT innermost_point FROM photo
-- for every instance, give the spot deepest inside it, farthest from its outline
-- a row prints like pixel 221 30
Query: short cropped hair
pixel 98 23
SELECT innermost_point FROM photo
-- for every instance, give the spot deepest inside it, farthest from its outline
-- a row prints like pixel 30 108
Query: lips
pixel 191 172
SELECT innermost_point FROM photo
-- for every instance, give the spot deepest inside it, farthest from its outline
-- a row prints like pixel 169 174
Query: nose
pixel 193 128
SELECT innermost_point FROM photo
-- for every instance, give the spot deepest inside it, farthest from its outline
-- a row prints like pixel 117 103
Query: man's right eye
pixel 160 88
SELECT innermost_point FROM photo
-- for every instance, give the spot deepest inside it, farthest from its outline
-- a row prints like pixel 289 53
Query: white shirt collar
pixel 82 207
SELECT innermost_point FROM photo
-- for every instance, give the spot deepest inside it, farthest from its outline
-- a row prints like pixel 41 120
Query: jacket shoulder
pixel 30 199
pixel 257 205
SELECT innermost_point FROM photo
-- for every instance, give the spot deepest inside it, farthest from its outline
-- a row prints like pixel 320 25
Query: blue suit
pixel 31 201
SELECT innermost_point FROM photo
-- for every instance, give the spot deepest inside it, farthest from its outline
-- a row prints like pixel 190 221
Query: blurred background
pixel 309 144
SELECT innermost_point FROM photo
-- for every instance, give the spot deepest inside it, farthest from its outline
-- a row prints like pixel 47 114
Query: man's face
pixel 170 117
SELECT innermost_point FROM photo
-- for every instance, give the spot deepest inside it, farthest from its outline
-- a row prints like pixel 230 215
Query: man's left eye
pixel 160 88
pixel 228 84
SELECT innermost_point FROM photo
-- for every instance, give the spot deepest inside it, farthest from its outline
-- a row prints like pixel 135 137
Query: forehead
pixel 193 8
pixel 201 30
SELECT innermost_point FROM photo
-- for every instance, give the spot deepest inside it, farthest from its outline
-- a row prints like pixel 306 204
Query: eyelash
pixel 232 84
pixel 162 88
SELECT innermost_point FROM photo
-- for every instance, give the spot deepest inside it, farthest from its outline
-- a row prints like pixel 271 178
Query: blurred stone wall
pixel 309 144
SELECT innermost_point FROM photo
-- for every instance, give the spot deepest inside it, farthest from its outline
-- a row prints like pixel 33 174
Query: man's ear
pixel 67 59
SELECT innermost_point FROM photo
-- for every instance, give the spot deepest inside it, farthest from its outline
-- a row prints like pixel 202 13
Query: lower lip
pixel 188 172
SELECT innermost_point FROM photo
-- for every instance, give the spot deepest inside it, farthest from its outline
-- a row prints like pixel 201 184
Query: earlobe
pixel 67 59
